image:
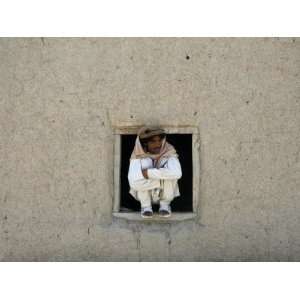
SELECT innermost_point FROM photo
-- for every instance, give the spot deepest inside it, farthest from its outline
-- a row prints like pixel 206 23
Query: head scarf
pixel 166 150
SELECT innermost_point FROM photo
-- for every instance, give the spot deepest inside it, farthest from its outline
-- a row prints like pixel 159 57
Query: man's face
pixel 154 144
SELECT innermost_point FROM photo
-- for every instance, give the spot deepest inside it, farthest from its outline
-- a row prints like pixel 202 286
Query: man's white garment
pixel 161 183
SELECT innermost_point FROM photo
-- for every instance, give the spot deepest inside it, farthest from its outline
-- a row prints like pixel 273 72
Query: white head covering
pixel 166 150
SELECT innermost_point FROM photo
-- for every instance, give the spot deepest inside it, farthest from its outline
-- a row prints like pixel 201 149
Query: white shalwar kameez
pixel 162 185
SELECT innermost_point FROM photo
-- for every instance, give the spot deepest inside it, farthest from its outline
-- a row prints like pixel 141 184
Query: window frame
pixel 135 216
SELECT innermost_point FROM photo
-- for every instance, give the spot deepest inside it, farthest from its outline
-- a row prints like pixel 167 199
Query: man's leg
pixel 144 189
pixel 146 208
pixel 144 197
pixel 168 192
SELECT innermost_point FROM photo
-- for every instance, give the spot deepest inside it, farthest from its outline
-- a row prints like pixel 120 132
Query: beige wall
pixel 59 101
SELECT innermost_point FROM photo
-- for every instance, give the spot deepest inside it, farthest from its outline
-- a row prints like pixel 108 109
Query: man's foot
pixel 164 210
pixel 146 212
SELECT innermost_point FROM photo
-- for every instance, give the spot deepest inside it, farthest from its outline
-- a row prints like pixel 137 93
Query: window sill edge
pixel 136 216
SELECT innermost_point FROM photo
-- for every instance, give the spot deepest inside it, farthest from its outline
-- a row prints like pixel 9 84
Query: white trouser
pixel 166 195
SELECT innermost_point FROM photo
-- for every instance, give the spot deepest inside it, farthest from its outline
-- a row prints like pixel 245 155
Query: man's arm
pixel 136 178
pixel 171 171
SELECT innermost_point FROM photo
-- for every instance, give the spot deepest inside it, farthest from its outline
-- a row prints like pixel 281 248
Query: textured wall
pixel 60 98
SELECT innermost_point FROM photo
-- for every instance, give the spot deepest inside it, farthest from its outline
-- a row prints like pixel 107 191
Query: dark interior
pixel 183 146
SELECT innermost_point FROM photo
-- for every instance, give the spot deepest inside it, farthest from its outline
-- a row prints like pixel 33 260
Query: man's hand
pixel 145 173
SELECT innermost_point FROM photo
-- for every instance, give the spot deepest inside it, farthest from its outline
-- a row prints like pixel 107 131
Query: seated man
pixel 154 171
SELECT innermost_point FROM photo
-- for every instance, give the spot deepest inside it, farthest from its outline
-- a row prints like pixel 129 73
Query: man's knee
pixel 145 185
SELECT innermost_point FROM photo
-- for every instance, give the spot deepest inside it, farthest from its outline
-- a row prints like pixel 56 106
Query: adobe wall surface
pixel 59 101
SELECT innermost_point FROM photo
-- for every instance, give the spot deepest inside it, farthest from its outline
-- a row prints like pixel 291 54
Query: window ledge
pixel 136 216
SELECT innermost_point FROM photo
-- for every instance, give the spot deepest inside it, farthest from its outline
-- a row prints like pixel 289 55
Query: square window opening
pixel 186 140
